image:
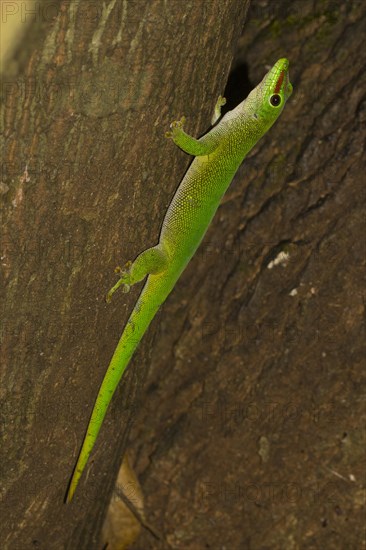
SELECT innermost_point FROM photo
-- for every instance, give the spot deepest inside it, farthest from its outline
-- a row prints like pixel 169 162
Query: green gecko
pixel 218 155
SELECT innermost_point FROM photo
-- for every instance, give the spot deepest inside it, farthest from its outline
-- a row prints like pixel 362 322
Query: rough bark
pixel 252 431
pixel 87 176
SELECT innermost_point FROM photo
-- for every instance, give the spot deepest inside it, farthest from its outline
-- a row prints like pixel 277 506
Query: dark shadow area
pixel 237 88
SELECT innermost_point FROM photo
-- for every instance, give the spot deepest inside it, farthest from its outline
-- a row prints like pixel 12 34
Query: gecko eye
pixel 275 100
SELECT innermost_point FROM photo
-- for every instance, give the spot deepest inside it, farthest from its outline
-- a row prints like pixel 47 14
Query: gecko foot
pixel 176 128
pixel 217 111
pixel 123 281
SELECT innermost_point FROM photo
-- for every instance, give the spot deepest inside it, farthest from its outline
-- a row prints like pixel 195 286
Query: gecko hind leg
pixel 150 261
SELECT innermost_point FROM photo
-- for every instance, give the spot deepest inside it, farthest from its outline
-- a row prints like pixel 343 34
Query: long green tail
pixel 152 296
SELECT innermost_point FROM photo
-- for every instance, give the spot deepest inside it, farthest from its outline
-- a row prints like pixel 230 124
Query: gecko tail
pixel 152 296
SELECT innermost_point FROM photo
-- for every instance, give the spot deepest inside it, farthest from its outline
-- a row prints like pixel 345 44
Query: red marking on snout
pixel 279 82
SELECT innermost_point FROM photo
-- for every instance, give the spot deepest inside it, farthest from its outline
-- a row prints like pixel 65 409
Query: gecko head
pixel 272 93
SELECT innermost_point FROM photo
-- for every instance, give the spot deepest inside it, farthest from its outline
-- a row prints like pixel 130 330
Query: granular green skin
pixel 218 155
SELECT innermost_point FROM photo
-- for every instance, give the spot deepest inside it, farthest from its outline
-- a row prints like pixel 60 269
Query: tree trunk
pixel 87 177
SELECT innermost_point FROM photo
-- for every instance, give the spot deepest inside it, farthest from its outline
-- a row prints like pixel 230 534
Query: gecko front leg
pixel 196 147
pixel 221 101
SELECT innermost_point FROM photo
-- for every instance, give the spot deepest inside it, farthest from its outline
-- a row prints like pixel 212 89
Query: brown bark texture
pixel 87 175
pixel 243 408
